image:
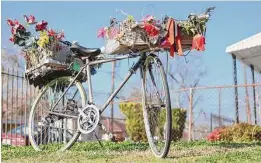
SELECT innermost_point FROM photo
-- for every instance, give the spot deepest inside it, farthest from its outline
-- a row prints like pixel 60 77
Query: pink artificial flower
pixel 113 31
pixel 101 33
pixel 30 19
pixel 60 35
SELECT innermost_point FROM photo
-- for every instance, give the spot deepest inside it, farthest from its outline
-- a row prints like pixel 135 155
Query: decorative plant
pixel 35 45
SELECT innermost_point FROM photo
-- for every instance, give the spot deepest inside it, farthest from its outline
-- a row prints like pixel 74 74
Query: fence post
pixel 190 113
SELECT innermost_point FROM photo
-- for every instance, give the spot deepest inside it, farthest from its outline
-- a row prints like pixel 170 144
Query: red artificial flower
pixel 151 29
pixel 10 22
pixel 41 26
pixel 12 39
pixel 16 22
pixel 16 27
pixel 198 42
pixel 30 19
pixel 13 30
pixel 51 32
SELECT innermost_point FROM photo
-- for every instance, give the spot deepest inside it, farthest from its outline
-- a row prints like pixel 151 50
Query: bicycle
pixel 62 104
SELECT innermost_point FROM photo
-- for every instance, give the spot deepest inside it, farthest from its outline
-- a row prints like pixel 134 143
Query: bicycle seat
pixel 85 52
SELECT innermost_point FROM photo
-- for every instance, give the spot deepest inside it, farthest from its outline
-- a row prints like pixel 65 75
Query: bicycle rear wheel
pixel 57 127
pixel 156 106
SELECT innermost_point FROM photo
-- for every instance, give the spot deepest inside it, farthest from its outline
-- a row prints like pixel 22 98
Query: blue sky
pixel 230 22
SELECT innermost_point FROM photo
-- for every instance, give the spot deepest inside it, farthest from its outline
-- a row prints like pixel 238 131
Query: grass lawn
pixel 199 151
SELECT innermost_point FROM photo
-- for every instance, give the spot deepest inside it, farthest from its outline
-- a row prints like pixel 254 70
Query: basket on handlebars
pixel 48 63
pixel 47 55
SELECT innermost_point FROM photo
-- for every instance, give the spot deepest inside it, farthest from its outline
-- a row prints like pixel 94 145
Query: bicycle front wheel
pixel 56 129
pixel 156 106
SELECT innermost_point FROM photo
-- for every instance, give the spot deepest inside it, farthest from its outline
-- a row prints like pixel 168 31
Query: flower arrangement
pixel 44 43
pixel 150 34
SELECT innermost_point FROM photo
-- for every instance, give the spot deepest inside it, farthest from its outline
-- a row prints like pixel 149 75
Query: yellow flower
pixel 43 39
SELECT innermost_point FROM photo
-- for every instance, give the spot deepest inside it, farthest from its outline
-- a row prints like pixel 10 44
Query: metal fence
pixel 212 107
pixel 207 108
pixel 17 96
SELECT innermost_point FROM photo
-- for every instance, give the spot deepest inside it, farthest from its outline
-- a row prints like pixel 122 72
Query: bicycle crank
pixel 88 119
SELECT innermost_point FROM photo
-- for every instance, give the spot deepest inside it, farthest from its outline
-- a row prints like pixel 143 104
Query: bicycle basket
pixel 124 38
pixel 48 63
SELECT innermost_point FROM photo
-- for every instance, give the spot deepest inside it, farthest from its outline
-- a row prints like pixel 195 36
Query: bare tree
pixel 11 60
pixel 186 75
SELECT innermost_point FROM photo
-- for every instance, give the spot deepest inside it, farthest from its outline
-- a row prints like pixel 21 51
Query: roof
pixel 248 51
pixel 118 125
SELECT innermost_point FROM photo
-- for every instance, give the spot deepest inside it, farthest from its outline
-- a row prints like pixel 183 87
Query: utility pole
pixel 219 107
pixel 112 90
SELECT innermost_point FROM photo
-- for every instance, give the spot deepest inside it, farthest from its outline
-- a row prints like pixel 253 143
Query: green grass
pixel 198 151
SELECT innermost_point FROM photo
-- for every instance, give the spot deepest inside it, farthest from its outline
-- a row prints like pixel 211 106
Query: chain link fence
pixel 212 107
pixel 206 109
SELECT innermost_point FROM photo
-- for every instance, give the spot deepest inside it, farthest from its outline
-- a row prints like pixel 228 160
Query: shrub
pixel 134 121
pixel 178 122
pixel 215 135
pixel 135 124
pixel 241 132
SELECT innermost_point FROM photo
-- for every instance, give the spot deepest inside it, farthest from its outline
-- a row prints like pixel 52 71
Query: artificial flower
pixel 43 39
pixel 51 32
pixel 10 22
pixel 12 39
pixel 101 32
pixel 41 26
pixel 151 30
pixel 60 35
pixel 198 42
pixel 30 19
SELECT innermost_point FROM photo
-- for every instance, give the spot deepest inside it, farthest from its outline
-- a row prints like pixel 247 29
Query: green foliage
pixel 135 124
pixel 241 132
pixel 134 120
pixel 178 122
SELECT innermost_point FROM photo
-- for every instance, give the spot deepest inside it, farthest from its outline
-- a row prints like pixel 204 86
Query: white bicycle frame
pixel 87 67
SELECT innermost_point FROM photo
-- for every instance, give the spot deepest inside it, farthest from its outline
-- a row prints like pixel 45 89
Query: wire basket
pixel 126 37
pixel 47 63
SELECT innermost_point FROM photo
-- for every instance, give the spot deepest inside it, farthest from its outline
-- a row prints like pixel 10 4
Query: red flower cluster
pixel 55 35
pixel 15 26
pixel 214 135
pixel 19 32
pixel 40 26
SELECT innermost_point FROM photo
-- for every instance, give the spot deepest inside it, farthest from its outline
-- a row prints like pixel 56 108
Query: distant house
pixel 119 127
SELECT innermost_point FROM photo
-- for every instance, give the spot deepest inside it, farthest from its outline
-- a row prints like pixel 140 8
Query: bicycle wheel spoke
pixel 57 125
pixel 156 107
